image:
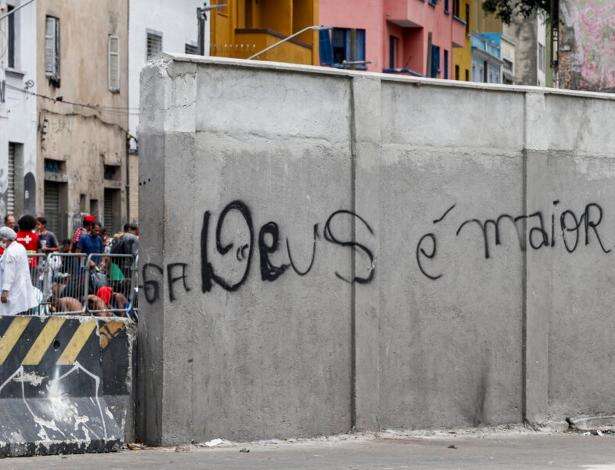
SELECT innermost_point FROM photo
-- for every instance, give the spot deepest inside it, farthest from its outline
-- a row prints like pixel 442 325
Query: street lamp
pixel 201 17
pixel 316 27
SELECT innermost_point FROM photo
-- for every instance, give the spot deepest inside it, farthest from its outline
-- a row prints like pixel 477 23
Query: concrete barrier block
pixel 65 384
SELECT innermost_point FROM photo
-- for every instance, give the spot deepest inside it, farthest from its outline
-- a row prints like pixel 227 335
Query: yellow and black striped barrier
pixel 82 365
pixel 42 336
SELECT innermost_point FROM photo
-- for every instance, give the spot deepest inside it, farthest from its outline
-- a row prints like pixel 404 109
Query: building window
pixel 52 166
pixel 446 6
pixel 508 66
pixel 456 8
pixel 433 3
pixel 154 45
pixel 347 48
pixel 457 72
pixel 52 48
pixel 192 49
pixel 467 75
pixel 113 63
pixel 485 72
pixel 445 64
pixel 393 47
pixel 111 172
pixel 541 58
pixel 10 190
pixel 435 62
pixel 11 38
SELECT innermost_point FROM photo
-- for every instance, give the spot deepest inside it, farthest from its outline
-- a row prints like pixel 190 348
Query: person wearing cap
pixel 17 295
pixel 88 223
pixel 91 243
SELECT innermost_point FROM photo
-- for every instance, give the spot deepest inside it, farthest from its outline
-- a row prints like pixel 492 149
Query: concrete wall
pixel 176 21
pixel 325 250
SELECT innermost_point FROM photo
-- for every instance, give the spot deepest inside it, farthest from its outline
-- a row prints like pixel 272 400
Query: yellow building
pixel 478 21
pixel 462 56
pixel 241 28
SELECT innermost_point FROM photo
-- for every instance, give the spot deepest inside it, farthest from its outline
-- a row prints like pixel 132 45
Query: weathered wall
pixel 587 45
pixel 83 137
pixel 327 249
pixel 18 120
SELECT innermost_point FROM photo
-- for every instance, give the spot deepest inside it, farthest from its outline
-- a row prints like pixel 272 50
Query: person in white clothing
pixel 17 296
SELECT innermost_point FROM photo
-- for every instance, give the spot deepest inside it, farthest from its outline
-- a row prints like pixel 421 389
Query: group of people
pixel 109 287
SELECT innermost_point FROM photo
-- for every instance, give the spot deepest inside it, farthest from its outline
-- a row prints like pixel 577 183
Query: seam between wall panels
pixel 524 273
pixel 353 300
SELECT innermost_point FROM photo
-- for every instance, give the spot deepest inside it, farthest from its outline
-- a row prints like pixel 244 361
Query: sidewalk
pixel 517 449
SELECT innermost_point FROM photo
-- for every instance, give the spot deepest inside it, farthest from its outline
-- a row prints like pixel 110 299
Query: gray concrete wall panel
pixel 330 250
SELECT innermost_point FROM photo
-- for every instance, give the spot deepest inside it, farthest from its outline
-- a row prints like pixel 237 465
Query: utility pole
pixel 201 17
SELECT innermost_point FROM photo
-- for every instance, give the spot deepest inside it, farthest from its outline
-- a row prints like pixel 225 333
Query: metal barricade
pixel 37 263
pixel 66 283
pixel 76 284
pixel 110 284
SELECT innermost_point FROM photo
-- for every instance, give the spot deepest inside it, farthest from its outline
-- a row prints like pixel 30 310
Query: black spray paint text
pixel 267 242
pixel 569 229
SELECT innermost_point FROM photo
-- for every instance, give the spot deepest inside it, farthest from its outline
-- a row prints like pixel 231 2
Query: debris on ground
pixel 183 448
pixel 244 450
pixel 214 442
pixel 592 424
pixel 452 446
pixel 135 446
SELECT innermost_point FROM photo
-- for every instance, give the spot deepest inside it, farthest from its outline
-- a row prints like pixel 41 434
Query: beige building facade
pixel 82 63
pixel 64 135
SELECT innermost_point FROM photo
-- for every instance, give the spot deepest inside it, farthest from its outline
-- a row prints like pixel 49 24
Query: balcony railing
pixel 251 40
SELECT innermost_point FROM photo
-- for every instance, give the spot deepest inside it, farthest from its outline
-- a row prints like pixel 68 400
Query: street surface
pixel 509 450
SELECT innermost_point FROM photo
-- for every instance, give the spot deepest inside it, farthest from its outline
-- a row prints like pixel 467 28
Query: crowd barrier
pixel 79 284
pixel 65 384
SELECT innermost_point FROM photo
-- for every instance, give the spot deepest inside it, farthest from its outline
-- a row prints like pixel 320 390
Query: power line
pixel 15 9
pixel 116 109
pixel 73 103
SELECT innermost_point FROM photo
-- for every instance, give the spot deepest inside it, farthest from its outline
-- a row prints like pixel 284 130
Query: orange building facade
pixel 242 28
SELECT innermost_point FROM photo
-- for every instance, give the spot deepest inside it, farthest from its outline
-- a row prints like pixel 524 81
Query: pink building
pixel 402 36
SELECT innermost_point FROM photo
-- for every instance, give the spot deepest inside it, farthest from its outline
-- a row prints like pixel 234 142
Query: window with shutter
pixel 11 37
pixel 52 47
pixel 52 207
pixel 113 63
pixel 154 45
pixel 10 193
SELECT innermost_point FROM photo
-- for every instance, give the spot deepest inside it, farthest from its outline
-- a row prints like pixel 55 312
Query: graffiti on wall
pixel 236 256
pixel 232 247
pixel 589 41
pixel 562 228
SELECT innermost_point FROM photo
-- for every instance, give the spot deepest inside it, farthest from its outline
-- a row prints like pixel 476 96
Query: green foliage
pixel 507 9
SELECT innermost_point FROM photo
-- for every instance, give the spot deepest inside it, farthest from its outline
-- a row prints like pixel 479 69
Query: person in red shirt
pixel 28 237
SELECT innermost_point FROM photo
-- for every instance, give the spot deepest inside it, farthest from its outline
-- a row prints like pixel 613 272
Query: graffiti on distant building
pixel 588 45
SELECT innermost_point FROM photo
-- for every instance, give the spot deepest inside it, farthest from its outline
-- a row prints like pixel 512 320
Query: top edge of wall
pixel 417 81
